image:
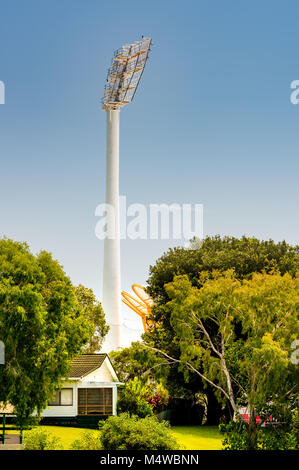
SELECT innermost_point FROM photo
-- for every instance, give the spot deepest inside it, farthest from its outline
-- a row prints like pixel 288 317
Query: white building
pixel 88 393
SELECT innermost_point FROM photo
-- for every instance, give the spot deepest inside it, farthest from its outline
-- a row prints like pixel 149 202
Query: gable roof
pixel 85 364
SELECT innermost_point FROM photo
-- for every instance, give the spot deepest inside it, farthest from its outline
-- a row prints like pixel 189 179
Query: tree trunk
pixel 252 431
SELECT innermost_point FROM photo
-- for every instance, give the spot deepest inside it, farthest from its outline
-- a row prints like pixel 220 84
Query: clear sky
pixel 211 123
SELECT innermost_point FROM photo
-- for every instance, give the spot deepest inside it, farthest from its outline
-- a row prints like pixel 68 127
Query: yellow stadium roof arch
pixel 141 304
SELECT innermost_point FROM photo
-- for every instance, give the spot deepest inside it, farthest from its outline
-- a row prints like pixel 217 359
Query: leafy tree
pixel 247 360
pixel 41 324
pixel 135 361
pixel 94 313
pixel 246 256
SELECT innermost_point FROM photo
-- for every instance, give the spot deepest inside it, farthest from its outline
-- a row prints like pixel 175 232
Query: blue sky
pixel 211 123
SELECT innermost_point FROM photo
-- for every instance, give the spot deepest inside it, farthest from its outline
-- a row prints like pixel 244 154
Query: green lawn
pixel 190 437
pixel 66 434
pixel 198 437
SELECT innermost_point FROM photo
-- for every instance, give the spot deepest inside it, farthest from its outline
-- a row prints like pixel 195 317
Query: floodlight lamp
pixel 124 74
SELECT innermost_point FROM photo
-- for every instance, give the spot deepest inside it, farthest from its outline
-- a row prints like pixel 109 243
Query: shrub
pixel 236 437
pixel 295 426
pixel 127 432
pixel 39 439
pixel 132 399
pixel 90 440
pixel 155 401
pixel 276 439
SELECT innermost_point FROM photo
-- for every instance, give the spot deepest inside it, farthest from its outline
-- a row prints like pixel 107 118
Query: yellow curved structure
pixel 142 305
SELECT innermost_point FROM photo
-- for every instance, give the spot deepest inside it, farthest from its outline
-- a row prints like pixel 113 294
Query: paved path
pixel 11 439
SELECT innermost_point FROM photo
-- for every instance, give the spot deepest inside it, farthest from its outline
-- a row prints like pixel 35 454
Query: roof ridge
pixel 92 355
pixel 85 364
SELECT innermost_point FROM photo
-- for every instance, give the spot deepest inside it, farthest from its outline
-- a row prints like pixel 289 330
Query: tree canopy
pixel 93 311
pixel 247 360
pixel 42 324
pixel 135 361
pixel 245 256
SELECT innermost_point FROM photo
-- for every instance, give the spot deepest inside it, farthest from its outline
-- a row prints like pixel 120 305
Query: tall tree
pixel 94 313
pixel 42 326
pixel 135 361
pixel 246 256
pixel 248 358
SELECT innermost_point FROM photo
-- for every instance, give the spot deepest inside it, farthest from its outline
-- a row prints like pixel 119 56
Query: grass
pixel 190 437
pixel 66 434
pixel 198 437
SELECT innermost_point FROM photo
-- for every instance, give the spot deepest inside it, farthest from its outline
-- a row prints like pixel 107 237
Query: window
pixel 63 397
pixel 95 401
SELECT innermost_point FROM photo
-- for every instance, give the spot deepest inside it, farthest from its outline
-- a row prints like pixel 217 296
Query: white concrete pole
pixel 111 275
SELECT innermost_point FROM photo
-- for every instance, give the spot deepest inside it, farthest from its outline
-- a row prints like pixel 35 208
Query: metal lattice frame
pixel 124 74
pixel 142 305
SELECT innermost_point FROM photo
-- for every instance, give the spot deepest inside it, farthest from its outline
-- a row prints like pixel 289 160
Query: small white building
pixel 87 394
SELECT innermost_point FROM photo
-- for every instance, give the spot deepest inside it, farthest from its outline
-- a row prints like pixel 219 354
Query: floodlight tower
pixel 122 81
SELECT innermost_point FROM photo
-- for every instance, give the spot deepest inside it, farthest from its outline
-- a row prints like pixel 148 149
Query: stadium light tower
pixel 122 81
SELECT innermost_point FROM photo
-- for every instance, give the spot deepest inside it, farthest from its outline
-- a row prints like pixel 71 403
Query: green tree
pixel 135 361
pixel 94 313
pixel 246 256
pixel 247 360
pixel 41 324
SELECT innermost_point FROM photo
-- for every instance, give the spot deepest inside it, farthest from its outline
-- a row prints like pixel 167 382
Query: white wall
pixel 65 411
pixel 69 411
pixel 103 374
